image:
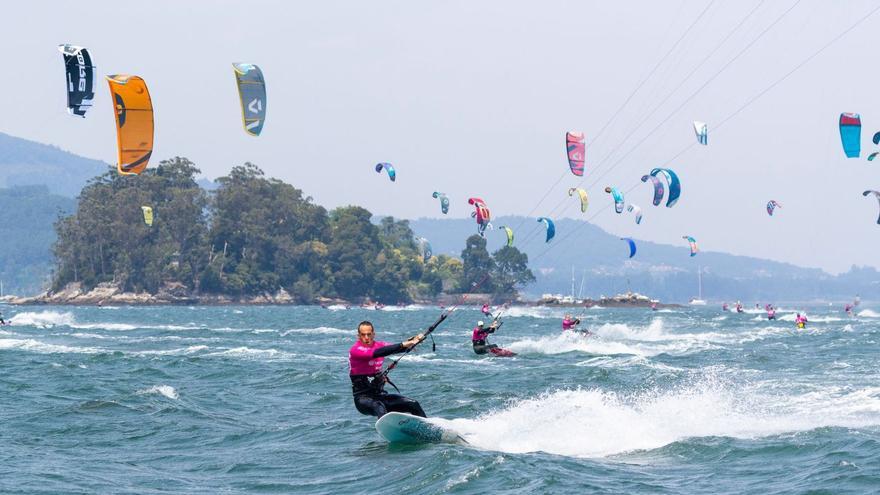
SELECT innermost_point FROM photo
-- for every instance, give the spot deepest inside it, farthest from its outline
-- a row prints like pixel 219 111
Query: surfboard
pixel 399 427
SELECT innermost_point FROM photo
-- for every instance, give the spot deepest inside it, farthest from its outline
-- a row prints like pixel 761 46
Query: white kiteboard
pixel 399 427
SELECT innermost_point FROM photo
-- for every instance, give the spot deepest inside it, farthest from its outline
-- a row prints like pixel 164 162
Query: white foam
pixel 173 352
pixel 595 423
pixel 42 319
pixel 867 313
pixel 33 345
pixel 165 390
pixel 321 330
pixel 256 354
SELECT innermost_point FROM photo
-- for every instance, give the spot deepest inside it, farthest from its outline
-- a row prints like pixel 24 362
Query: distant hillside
pixel 24 162
pixel 26 217
pixel 667 272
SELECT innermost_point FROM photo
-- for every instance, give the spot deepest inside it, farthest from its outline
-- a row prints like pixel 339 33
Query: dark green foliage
pixel 254 235
pixel 511 271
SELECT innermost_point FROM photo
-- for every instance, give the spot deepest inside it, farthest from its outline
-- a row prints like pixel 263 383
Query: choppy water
pixel 257 399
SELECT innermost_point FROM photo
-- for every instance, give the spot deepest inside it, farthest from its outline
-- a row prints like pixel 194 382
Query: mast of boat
pixel 700 282
pixel 581 290
pixel 572 281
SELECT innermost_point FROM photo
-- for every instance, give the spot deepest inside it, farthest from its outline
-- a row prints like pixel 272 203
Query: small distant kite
pixel 617 196
pixel 388 168
pixel 583 195
pixel 771 206
pixel 574 144
pixel 148 215
pixel 636 211
pixel 851 134
pixel 444 201
pixel 252 96
pixel 632 246
pixel 80 79
pixel 551 227
pixel 693 244
pixel 702 132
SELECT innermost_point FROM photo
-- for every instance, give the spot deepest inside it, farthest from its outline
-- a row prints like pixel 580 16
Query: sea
pixel 257 399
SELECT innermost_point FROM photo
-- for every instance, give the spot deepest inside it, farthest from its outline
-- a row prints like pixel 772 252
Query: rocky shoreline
pixel 110 294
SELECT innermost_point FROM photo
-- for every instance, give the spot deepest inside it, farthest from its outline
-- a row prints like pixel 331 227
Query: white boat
pixel 699 301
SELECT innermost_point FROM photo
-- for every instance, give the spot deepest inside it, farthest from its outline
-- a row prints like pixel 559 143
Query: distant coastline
pixel 111 295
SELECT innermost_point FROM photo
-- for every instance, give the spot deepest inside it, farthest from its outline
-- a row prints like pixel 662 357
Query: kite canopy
pixel 425 249
pixel 134 122
pixel 148 215
pixel 851 134
pixel 551 227
pixel 388 168
pixel 252 96
pixel 873 155
pixel 693 244
pixel 876 195
pixel 702 132
pixel 509 232
pixel 771 206
pixel 583 195
pixel 637 211
pixel 632 246
pixel 671 179
pixel 876 138
pixel 80 75
pixel 481 214
pixel 574 143
pixel 444 201
pixel 618 198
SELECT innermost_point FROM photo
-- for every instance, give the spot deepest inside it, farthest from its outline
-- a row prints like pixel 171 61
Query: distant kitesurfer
pixel 848 309
pixel 739 307
pixel 725 307
pixel 367 381
pixel 771 312
pixel 800 320
pixel 653 306
pixel 486 310
pixel 2 321
pixel 479 339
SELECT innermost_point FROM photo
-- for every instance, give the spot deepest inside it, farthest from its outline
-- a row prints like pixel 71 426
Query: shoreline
pixel 108 294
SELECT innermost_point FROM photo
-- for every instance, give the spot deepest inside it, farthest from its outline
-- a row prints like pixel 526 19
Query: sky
pixel 474 99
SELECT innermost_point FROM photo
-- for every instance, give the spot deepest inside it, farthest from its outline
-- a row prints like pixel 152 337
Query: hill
pixel 600 262
pixel 25 163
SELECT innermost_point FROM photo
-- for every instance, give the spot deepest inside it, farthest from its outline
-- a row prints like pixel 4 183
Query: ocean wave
pixel 164 390
pixel 255 354
pixel 33 345
pixel 596 423
pixel 42 319
pixel 867 313
pixel 320 330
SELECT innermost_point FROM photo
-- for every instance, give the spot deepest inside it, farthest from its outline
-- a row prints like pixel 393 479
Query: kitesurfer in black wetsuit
pixel 367 380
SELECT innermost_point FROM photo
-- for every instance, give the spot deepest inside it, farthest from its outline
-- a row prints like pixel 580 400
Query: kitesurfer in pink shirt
pixel 367 381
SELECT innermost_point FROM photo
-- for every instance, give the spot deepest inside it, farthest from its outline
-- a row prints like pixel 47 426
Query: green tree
pixel 354 246
pixel 477 266
pixel 511 271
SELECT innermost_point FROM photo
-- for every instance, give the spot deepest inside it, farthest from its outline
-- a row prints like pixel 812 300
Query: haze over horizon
pixel 475 99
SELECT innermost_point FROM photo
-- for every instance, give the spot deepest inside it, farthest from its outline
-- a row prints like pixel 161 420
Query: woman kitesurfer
pixel 486 310
pixel 479 339
pixel 800 320
pixel 367 381
pixel 569 323
pixel 771 312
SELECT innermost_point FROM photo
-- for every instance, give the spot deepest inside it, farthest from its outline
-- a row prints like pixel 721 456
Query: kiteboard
pixel 397 427
pixel 497 351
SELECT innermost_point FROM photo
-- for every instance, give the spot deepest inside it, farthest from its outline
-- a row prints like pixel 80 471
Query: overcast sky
pixel 473 98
